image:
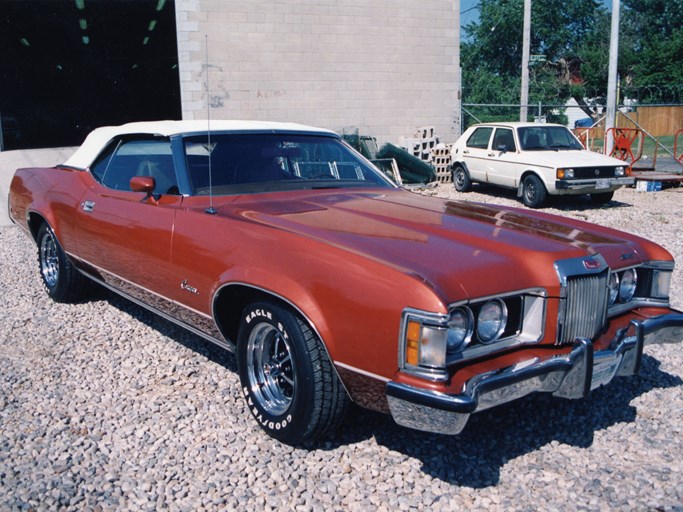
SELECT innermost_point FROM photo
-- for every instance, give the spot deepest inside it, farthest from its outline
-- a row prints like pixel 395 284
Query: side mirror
pixel 502 148
pixel 144 184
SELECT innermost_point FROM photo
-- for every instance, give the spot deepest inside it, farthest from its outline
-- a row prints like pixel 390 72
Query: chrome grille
pixel 585 307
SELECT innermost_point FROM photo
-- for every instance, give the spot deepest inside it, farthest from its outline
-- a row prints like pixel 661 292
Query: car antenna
pixel 210 210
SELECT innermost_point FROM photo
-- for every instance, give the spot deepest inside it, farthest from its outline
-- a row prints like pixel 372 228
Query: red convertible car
pixel 331 284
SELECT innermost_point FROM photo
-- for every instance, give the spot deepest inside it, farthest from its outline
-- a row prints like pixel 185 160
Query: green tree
pixel 565 31
pixel 651 50
pixel 575 37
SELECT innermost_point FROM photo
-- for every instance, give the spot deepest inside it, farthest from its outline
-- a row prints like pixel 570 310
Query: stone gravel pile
pixel 104 406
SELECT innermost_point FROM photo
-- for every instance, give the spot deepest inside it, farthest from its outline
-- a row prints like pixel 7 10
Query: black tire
pixel 533 191
pixel 61 280
pixel 461 179
pixel 287 379
pixel 602 197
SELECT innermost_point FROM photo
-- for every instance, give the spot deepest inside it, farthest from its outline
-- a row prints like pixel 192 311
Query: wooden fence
pixel 657 121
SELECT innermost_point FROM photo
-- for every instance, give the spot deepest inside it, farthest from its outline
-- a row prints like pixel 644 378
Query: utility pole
pixel 526 47
pixel 610 119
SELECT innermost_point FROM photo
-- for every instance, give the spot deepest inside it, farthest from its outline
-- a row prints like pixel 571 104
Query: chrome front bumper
pixel 573 375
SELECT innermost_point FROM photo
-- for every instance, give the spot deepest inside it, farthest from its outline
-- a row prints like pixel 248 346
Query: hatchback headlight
pixel 565 174
pixel 620 171
pixel 491 320
pixel 627 286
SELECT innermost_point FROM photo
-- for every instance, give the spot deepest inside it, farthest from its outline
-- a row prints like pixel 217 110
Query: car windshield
pixel 544 138
pixel 244 163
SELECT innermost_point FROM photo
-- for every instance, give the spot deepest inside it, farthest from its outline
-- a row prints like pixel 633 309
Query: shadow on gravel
pixel 493 437
pixel 490 439
pixel 176 333
pixel 563 203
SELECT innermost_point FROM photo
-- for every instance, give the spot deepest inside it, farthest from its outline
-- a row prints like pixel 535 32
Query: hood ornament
pixel 592 264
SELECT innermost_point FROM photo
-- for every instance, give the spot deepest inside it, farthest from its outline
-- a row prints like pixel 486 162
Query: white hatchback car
pixel 537 160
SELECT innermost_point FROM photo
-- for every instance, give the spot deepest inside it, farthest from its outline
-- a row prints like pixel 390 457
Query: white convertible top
pixel 100 137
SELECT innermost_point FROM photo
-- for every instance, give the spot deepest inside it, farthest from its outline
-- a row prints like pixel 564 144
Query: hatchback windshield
pixel 535 138
pixel 243 163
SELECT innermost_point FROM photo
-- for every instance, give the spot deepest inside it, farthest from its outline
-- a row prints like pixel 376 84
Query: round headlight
pixel 627 287
pixel 613 288
pixel 491 320
pixel 460 326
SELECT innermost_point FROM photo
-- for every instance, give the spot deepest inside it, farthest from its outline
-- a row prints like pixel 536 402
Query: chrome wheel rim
pixel 459 178
pixel 270 368
pixel 530 192
pixel 49 260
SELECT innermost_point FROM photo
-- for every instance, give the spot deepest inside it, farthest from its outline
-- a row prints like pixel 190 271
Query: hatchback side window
pixel 480 138
pixel 504 137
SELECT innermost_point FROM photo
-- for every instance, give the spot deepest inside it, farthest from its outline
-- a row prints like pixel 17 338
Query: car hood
pixel 571 158
pixel 461 249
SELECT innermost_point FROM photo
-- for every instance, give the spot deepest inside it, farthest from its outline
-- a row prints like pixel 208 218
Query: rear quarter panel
pixel 53 194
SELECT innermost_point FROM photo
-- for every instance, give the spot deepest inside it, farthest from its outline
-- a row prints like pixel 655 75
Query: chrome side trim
pixel 116 276
pixel 361 372
pixel 223 344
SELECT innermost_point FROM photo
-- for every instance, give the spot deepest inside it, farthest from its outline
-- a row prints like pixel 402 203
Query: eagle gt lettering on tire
pixel 287 379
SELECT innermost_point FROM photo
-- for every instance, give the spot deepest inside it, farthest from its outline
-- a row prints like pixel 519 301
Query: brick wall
pixel 384 66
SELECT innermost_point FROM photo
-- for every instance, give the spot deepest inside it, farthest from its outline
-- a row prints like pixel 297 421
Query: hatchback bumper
pixel 572 376
pixel 592 185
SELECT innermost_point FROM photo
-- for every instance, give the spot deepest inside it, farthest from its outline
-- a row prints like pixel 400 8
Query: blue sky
pixel 468 11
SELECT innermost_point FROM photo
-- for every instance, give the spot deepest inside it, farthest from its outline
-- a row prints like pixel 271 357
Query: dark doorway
pixel 68 66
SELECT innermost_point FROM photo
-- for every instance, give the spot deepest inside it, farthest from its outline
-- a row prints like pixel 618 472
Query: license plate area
pixel 601 184
pixel 604 371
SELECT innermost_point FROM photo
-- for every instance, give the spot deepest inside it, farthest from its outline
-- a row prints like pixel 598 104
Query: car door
pixel 123 236
pixel 502 164
pixel 476 152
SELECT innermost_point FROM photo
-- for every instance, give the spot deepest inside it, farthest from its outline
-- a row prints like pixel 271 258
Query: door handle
pixel 88 206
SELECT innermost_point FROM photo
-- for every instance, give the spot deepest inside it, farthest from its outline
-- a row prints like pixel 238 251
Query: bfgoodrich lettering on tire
pixel 287 378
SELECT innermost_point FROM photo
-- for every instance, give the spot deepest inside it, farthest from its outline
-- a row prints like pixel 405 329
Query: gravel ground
pixel 104 406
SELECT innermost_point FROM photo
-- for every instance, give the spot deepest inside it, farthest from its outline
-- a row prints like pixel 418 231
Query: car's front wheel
pixel 461 179
pixel 287 378
pixel 62 281
pixel 533 191
pixel 602 198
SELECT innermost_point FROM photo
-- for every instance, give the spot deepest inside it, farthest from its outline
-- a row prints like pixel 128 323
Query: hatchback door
pixel 503 166
pixel 476 152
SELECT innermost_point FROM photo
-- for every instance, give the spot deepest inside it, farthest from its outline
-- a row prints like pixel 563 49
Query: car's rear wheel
pixel 533 191
pixel 461 179
pixel 287 378
pixel 62 281
pixel 602 198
